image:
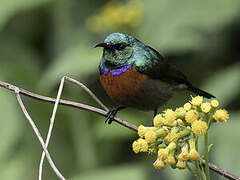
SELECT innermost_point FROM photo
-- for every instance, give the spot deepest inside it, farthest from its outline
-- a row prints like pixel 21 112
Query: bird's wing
pixel 159 68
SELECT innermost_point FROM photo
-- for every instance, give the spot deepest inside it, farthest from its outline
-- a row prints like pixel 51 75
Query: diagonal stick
pixel 51 127
pixel 88 91
pixel 60 89
pixel 60 176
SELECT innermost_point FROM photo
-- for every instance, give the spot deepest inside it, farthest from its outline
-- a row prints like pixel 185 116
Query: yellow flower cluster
pixel 173 136
pixel 115 16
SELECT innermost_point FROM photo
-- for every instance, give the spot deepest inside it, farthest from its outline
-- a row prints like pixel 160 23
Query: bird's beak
pixel 104 45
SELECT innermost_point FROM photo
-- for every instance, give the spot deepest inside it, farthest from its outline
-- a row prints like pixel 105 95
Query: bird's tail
pixel 200 92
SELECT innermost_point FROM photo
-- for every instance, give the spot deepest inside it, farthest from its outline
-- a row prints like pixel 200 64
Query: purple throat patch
pixel 116 72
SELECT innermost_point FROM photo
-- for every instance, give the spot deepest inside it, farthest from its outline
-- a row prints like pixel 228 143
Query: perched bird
pixel 136 75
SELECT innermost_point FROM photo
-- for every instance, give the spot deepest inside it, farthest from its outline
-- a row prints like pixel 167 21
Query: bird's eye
pixel 119 46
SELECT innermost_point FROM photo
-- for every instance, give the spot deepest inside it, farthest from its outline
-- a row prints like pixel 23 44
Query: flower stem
pixel 191 171
pixel 199 173
pixel 206 156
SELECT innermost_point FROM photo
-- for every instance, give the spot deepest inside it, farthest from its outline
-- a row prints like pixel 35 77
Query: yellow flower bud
pixel 158 120
pixel 172 146
pixel 193 154
pixel 170 116
pixel 191 116
pixel 142 130
pixel 152 149
pixel 170 159
pixel 160 132
pixel 221 115
pixel 143 145
pixel 166 128
pixel 181 164
pixel 187 106
pixel 163 153
pixel 214 103
pixel 150 136
pixel 180 112
pixel 159 164
pixel 206 107
pixel 184 155
pixel 197 101
pixel 171 137
pixel 199 127
pixel 136 147
pixel 180 122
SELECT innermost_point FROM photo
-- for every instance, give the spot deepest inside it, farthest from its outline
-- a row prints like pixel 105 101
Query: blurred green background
pixel 40 41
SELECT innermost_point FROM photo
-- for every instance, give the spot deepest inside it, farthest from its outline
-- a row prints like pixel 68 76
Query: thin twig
pixel 55 110
pixel 220 171
pixel 68 103
pixel 51 127
pixel 88 91
pixel 60 176
pixel 103 113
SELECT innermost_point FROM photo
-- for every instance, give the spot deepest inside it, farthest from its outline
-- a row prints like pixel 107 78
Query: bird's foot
pixel 111 114
pixel 155 112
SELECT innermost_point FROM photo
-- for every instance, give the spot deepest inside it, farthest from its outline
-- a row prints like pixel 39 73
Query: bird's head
pixel 118 48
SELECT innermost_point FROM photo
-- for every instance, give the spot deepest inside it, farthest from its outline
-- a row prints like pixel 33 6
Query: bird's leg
pixel 155 112
pixel 112 113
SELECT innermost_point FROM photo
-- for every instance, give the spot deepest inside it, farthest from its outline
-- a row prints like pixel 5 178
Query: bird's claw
pixel 110 115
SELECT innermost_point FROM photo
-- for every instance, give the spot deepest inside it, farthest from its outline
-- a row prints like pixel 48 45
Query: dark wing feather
pixel 161 70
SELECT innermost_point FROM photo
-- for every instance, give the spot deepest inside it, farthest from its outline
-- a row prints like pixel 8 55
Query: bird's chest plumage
pixel 123 83
pixel 134 89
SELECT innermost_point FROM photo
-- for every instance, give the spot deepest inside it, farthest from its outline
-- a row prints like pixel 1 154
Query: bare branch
pixel 222 172
pixel 51 126
pixel 68 103
pixel 103 113
pixel 55 110
pixel 60 176
pixel 88 91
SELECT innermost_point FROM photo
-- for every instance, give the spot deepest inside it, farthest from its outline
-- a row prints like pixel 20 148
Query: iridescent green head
pixel 118 48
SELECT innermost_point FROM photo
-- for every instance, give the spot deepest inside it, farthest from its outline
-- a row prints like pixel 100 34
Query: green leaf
pixel 209 147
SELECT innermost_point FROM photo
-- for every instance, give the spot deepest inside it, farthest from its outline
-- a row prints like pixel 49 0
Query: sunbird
pixel 136 75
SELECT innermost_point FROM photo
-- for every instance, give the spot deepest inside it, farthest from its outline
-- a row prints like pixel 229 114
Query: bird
pixel 136 75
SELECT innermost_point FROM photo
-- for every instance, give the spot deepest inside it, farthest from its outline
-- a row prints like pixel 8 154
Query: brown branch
pixel 68 103
pixel 60 89
pixel 222 172
pixel 50 127
pixel 34 127
pixel 95 98
pixel 103 113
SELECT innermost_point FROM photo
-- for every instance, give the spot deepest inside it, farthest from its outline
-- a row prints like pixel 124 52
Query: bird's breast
pixel 120 84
